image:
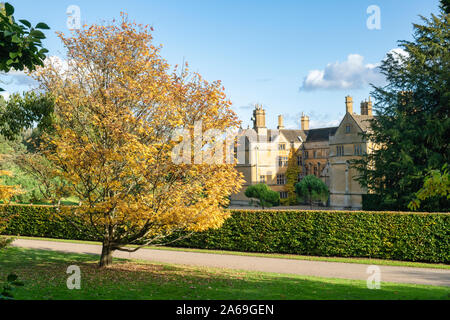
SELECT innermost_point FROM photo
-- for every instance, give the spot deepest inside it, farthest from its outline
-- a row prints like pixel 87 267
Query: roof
pixel 363 121
pixel 293 135
pixel 321 134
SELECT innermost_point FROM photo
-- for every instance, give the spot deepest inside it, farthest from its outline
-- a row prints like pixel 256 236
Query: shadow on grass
pixel 44 274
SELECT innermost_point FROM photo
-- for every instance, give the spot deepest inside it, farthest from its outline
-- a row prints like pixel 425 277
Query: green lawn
pixel 44 275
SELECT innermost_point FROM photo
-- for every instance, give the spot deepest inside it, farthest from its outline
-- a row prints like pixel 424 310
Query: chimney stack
pixel 280 122
pixel 366 108
pixel 259 117
pixel 304 122
pixel 349 104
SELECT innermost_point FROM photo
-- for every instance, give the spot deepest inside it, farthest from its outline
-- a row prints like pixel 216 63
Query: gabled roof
pixel 295 135
pixel 363 121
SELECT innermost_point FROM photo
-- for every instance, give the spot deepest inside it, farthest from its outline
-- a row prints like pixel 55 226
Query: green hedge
pixel 385 235
pixel 40 221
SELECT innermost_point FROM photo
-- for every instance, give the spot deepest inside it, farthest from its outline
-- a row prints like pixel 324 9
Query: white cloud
pixel 21 78
pixel 316 119
pixel 398 53
pixel 314 124
pixel 60 64
pixel 5 94
pixel 350 74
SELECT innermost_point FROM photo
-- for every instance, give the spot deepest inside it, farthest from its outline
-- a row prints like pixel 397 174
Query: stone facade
pixel 323 152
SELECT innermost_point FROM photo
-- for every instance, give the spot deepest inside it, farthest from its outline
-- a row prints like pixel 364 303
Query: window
pixel 282 146
pixel 347 128
pixel 339 151
pixel 282 161
pixel 262 179
pixel 315 170
pixel 318 168
pixel 306 154
pixel 299 161
pixel 299 177
pixel 281 179
pixel 358 150
pixel 315 154
pixel 283 195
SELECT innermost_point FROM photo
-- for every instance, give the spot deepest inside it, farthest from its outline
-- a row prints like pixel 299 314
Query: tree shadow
pixel 44 274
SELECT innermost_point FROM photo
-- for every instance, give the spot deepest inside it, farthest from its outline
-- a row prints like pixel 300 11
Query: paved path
pixel 438 277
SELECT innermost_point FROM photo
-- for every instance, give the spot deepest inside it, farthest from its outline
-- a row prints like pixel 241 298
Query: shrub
pixel 266 196
pixel 311 188
pixel 41 221
pixel 385 235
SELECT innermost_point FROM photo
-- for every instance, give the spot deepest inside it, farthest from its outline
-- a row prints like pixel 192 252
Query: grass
pixel 370 261
pixel 44 275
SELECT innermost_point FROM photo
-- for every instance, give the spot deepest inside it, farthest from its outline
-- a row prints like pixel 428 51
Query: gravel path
pixel 437 277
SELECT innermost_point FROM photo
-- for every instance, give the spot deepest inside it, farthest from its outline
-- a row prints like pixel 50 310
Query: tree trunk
pixel 106 257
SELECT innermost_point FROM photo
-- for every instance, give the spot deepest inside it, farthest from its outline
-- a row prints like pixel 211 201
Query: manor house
pixel 323 152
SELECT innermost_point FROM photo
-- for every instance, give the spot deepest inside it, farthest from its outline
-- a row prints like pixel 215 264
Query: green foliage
pixel 412 124
pixel 385 235
pixel 32 110
pixel 8 287
pixel 20 43
pixel 312 189
pixel 43 221
pixel 292 173
pixel 445 6
pixel 30 186
pixel 265 196
pixel 436 184
pixel 5 241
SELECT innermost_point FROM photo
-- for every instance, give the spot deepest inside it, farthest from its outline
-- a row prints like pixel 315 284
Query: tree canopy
pixel 20 43
pixel 265 196
pixel 412 127
pixel 116 108
pixel 311 188
pixel 292 172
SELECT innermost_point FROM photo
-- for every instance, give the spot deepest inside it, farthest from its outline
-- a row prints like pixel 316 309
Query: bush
pixel 266 196
pixel 311 188
pixel 41 221
pixel 385 235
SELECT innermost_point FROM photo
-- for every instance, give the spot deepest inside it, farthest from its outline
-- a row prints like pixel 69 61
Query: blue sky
pixel 290 56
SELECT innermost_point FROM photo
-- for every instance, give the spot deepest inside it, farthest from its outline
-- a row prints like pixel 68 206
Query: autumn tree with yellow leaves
pixel 117 106
pixel 6 191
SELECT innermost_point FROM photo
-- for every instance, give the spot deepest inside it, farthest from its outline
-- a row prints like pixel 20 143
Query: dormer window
pixel 347 128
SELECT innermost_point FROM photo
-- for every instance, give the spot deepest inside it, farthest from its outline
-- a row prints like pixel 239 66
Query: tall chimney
pixel 304 122
pixel 369 107
pixel 280 122
pixel 366 108
pixel 259 117
pixel 349 104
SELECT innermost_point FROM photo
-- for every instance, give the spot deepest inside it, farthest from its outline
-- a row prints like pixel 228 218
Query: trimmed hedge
pixel 384 235
pixel 40 221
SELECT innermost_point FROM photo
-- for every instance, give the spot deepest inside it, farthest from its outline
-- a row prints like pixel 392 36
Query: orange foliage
pixel 117 105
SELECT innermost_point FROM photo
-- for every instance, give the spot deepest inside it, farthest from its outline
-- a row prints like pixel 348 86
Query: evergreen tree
pixel 312 189
pixel 292 173
pixel 412 127
pixel 266 196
